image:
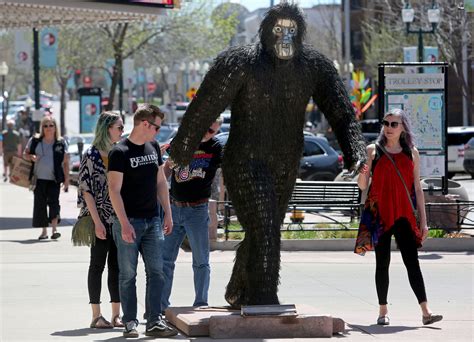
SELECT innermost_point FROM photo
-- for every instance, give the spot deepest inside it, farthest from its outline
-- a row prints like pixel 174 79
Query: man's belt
pixel 189 204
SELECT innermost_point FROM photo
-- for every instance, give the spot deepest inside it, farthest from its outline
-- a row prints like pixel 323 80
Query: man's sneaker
pixel 160 329
pixel 131 329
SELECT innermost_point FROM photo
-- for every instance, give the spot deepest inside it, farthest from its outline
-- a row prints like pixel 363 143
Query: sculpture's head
pixel 282 31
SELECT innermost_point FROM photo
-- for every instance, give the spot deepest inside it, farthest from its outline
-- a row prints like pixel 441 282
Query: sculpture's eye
pixel 277 29
pixel 292 30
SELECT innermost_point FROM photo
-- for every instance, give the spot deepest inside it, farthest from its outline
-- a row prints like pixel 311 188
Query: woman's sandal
pixel 117 322
pixel 431 319
pixel 101 323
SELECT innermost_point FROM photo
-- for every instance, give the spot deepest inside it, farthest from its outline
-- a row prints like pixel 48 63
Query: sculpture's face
pixel 285 31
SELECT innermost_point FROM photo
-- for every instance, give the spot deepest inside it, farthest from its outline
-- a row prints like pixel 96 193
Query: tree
pixel 384 34
pixel 194 31
pixel 73 54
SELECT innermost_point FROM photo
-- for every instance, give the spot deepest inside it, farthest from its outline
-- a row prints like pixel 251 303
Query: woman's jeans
pixel 149 242
pixel 101 252
pixel 193 222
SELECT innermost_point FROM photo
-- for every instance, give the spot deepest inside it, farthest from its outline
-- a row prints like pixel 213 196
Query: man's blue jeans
pixel 149 242
pixel 193 222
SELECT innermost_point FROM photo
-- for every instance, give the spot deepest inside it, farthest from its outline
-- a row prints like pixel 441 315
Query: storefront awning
pixel 16 14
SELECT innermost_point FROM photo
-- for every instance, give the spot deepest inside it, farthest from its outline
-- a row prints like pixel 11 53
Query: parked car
pixel 166 133
pixel 469 157
pixel 457 140
pixel 370 129
pixel 74 157
pixel 320 162
pixel 13 108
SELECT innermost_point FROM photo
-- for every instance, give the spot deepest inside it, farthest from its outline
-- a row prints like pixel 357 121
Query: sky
pixel 252 5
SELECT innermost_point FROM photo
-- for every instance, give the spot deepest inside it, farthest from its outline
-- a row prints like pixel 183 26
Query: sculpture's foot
pixel 235 296
pixel 238 298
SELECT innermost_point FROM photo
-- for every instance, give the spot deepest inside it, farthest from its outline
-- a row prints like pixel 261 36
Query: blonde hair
pixel 44 120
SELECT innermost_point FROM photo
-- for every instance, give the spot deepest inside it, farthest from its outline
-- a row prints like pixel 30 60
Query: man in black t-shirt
pixel 190 192
pixel 136 183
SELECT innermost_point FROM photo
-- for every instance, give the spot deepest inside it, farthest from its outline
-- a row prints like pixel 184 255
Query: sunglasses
pixel 393 124
pixel 211 131
pixel 48 126
pixel 157 127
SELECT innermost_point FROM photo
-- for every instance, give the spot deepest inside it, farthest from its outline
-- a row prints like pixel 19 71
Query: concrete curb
pixel 430 245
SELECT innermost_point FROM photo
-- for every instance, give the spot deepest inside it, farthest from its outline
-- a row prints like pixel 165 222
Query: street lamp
pixel 347 69
pixel 3 73
pixel 408 15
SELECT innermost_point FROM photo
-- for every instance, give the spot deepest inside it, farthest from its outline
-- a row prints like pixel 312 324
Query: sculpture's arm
pixel 331 97
pixel 217 91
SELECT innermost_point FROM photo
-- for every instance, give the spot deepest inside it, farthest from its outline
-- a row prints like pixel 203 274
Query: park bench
pixel 331 200
pixel 327 199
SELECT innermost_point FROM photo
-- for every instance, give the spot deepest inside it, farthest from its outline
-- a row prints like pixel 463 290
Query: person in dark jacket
pixel 49 153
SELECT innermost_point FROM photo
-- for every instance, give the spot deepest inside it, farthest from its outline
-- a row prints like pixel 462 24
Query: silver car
pixel 469 157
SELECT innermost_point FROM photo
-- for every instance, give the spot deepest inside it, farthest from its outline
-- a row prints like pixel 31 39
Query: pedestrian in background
pixel 49 153
pixel 25 127
pixel 394 192
pixel 136 183
pixel 190 192
pixel 94 201
pixel 11 148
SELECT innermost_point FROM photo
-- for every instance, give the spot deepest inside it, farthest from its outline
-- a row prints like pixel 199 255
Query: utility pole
pixel 36 76
pixel 347 39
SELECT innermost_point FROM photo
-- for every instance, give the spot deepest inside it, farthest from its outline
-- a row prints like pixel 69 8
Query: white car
pixel 74 157
pixel 457 139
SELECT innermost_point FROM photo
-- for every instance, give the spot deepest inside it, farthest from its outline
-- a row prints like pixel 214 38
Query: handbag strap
pixel 399 174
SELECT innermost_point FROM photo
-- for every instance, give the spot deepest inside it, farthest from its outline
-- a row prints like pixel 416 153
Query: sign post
pixel 424 97
pixel 89 108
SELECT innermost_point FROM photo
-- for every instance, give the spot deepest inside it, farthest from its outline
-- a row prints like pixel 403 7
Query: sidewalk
pixel 43 285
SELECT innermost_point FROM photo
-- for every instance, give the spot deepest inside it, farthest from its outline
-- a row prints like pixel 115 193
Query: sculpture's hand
pixel 355 169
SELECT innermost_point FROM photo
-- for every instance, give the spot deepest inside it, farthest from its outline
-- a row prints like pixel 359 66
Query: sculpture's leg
pixel 255 276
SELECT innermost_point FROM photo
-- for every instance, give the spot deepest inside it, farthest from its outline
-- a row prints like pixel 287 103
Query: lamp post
pixel 204 69
pixel 3 73
pixel 347 69
pixel 408 15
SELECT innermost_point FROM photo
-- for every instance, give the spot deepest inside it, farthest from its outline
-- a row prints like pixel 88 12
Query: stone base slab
pixel 222 322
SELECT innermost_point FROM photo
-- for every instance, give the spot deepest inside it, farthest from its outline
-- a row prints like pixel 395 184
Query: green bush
pixel 314 234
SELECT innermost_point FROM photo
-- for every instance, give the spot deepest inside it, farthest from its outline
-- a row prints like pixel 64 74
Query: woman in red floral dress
pixel 388 210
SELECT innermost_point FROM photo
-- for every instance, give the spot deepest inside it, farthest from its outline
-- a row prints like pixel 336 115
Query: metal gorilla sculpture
pixel 268 86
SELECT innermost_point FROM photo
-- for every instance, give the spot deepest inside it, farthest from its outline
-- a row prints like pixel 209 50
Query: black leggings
pixel 102 251
pixel 407 245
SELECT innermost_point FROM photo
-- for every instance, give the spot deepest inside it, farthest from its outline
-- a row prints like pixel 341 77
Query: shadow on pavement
pixel 30 241
pixel 375 329
pixel 431 256
pixel 26 222
pixel 84 332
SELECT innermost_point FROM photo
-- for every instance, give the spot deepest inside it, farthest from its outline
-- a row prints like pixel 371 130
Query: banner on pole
pixel 410 54
pixel 128 73
pixel 431 54
pixel 23 54
pixel 89 108
pixel 48 47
